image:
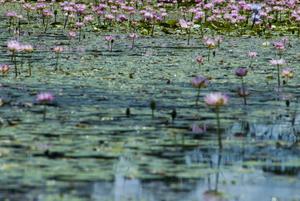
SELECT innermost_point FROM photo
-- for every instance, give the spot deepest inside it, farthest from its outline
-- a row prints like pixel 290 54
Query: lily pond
pixel 127 123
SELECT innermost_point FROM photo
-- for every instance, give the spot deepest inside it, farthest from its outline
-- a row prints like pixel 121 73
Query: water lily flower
pixel 133 36
pixel 45 98
pixel 252 55
pixel 187 26
pixel 200 59
pixel 242 92
pixel 57 50
pixel 241 71
pixel 14 47
pixel 210 43
pixel 278 63
pixel 110 41
pixel 198 129
pixel 27 48
pixel 72 34
pixel 279 45
pixel 287 73
pixel 4 68
pixel 217 100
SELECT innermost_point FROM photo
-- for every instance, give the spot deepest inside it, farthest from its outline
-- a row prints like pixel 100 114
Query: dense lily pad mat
pixel 89 149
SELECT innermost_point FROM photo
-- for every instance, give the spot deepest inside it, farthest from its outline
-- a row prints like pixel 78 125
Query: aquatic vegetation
pixel 110 62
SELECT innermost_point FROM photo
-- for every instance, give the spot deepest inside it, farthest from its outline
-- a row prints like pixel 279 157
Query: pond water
pixel 89 149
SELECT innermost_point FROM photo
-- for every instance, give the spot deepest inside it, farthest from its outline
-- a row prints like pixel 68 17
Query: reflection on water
pixel 222 183
pixel 233 186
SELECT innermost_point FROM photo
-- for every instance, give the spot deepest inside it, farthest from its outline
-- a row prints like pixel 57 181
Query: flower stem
pixel 132 44
pixel 189 36
pixel 278 76
pixel 15 63
pixel 218 127
pixel 244 91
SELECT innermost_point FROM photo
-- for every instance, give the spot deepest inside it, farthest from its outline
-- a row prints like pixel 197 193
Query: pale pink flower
pixel 185 24
pixel 200 59
pixel 278 62
pixel 133 35
pixel 79 25
pixel 200 82
pixel 279 46
pixel 88 18
pixel 216 99
pixel 72 34
pixel 58 49
pixel 287 73
pixel 14 46
pixel 11 14
pixel 4 68
pixel 27 48
pixel 44 97
pixel 210 43
pixel 252 55
pixel 241 71
pixel 109 38
pixel 198 130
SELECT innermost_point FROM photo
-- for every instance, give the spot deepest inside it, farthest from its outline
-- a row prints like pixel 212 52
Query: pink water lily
pixel 277 63
pixel 216 99
pixel 199 82
pixel 45 97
